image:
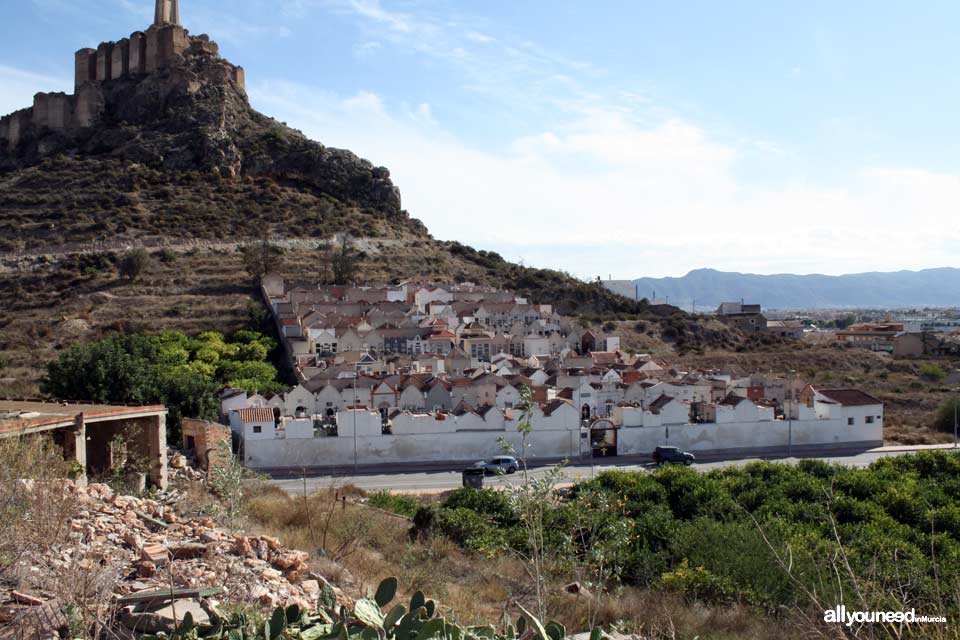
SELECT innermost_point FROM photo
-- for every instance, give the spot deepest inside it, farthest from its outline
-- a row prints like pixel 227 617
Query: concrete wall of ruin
pixel 120 59
pixel 240 77
pixel 137 53
pixel 163 43
pixel 15 124
pixel 85 65
pixel 104 61
pixel 53 110
pixel 88 105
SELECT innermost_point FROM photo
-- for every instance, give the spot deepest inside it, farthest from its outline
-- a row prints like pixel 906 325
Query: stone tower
pixel 167 12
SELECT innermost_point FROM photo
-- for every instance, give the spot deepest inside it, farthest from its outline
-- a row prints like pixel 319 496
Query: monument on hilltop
pixel 167 12
pixel 163 45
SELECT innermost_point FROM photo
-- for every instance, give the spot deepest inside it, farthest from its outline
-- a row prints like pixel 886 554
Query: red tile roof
pixel 256 414
pixel 849 397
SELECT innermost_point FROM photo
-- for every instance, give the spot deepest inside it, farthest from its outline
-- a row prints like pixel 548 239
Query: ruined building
pixel 130 59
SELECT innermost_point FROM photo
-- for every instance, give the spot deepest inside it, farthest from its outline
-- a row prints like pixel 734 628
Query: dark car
pixel 672 455
pixel 500 464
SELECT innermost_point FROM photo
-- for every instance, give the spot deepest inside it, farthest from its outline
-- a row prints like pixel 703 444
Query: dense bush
pixel 133 264
pixel 394 503
pixel 949 412
pixel 933 372
pixel 765 534
pixel 168 368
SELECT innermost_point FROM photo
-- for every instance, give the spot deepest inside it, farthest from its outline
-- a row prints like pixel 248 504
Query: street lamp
pixel 956 406
pixel 789 395
pixel 356 380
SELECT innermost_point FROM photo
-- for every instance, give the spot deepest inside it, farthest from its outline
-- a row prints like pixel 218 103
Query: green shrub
pixel 716 536
pixel 947 415
pixel 932 372
pixel 698 584
pixel 133 264
pixel 394 503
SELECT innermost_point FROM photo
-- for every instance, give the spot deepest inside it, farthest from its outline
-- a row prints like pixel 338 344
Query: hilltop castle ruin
pixel 141 54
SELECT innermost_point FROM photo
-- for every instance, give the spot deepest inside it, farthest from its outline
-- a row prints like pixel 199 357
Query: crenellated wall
pixel 58 111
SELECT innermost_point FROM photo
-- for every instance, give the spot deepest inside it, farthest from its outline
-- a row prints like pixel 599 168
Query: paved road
pixel 436 481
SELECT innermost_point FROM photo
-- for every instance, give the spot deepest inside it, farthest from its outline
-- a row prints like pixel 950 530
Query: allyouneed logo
pixel 840 615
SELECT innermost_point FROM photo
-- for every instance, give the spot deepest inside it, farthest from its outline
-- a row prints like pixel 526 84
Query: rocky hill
pixel 180 153
pixel 180 163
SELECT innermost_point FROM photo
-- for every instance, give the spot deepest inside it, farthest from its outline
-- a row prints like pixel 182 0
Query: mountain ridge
pixel 709 287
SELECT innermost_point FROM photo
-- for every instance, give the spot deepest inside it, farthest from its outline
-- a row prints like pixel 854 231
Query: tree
pixel 170 368
pixel 133 264
pixel 949 410
pixel 115 369
pixel 344 263
pixel 261 258
pixel 532 499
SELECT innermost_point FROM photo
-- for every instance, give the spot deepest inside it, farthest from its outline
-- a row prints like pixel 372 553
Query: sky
pixel 612 139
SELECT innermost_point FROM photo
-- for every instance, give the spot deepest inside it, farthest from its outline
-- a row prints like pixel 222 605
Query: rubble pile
pixel 179 468
pixel 142 545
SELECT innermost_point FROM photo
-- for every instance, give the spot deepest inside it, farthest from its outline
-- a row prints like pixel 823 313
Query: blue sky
pixel 605 138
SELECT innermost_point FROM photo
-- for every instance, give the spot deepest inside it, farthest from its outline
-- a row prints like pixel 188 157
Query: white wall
pixel 240 401
pixel 744 437
pixel 462 447
pixel 298 428
pixel 368 423
pixel 299 397
pixel 328 394
pixel 675 412
pixel 536 346
pixel 415 438
pixel 745 411
pixel 421 423
pixel 508 395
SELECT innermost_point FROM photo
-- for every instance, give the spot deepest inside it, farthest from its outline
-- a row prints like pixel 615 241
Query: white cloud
pixel 482 38
pixel 603 194
pixel 373 10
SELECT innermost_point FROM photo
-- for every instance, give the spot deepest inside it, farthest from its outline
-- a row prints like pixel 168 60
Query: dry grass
pixel 34 508
pixel 356 547
pixel 35 511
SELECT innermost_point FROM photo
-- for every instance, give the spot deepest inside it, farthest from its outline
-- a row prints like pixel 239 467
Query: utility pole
pixel 356 380
pixel 789 395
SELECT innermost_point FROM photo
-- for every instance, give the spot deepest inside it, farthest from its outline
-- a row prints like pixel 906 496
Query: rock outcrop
pixel 190 115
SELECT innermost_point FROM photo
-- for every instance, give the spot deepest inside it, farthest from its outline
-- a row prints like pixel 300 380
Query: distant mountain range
pixel 708 288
